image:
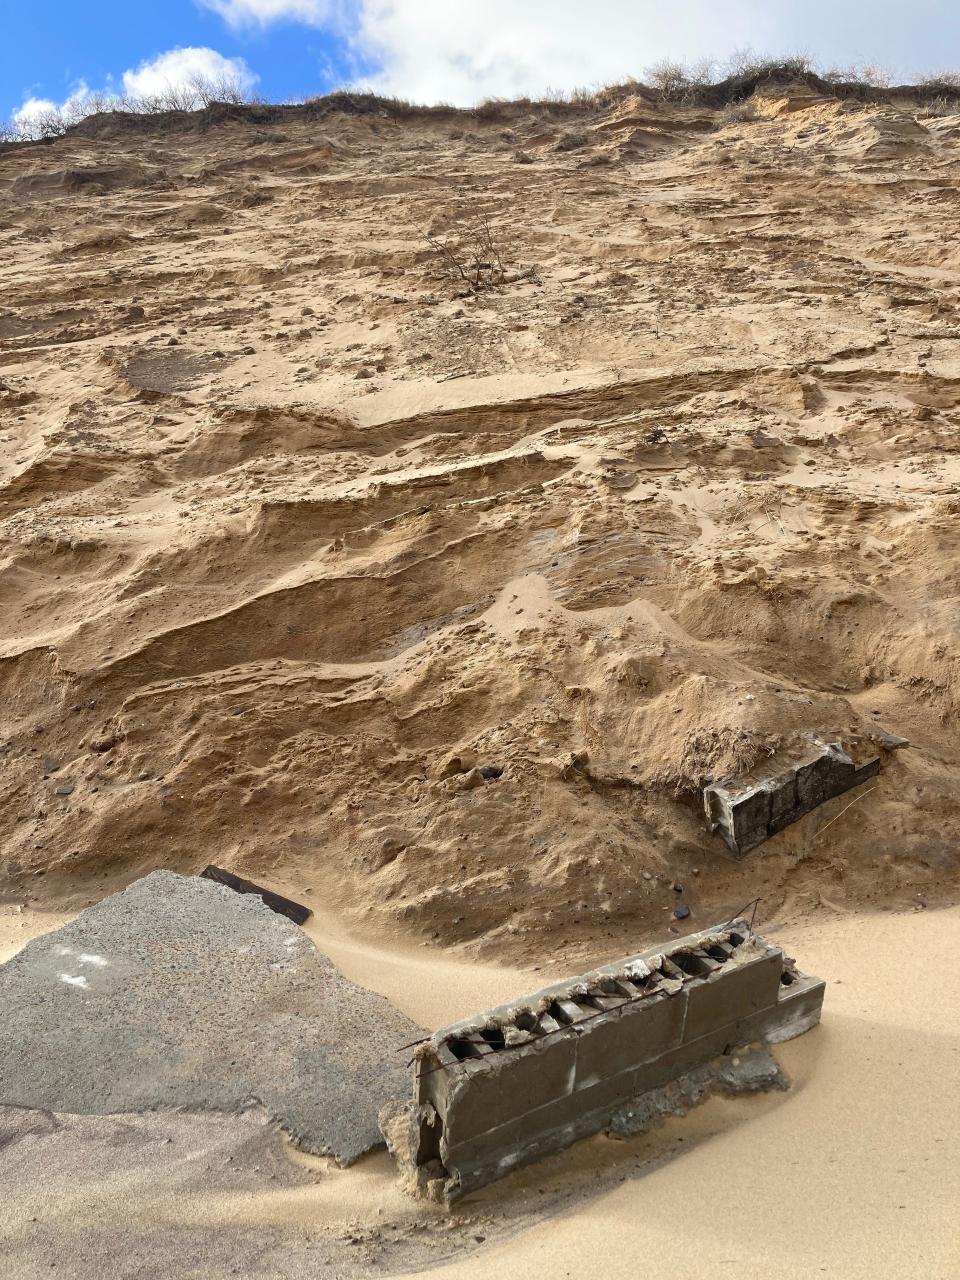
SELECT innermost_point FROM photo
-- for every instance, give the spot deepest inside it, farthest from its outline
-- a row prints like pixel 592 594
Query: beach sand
pixel 849 1174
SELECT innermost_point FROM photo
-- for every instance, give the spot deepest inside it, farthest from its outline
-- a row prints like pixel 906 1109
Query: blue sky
pixel 51 45
pixel 452 50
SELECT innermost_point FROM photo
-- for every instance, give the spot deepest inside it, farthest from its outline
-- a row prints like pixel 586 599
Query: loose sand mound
pixel 441 606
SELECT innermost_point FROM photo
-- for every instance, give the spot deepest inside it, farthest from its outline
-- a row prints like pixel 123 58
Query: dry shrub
pixel 674 82
pixel 942 106
pixel 858 73
pixel 737 113
pixel 472 257
pixel 943 82
pixel 571 141
pixel 940 93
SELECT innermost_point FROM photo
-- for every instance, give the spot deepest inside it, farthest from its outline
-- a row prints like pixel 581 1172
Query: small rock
pixel 681 913
pixel 457 762
pixel 677 887
pixel 491 771
pixel 65 790
pixel 760 440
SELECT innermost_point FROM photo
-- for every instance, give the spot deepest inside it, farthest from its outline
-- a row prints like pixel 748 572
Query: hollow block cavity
pixel 512 1085
pixel 749 810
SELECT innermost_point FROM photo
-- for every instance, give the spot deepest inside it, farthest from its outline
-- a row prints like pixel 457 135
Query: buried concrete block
pixel 512 1085
pixel 748 810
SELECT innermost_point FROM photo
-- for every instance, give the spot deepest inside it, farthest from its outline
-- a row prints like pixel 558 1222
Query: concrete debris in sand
pixel 294 911
pixel 612 1050
pixel 180 994
pixel 747 811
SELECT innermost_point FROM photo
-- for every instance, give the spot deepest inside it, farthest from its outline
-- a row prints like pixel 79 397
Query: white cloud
pixel 181 68
pixel 260 13
pixel 33 110
pixel 435 50
pixel 42 117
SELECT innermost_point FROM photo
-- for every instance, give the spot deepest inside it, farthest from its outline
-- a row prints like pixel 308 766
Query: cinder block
pixel 738 990
pixel 526 1098
pixel 511 1083
pixel 747 811
pixel 798 1010
pixel 783 799
pixel 619 1041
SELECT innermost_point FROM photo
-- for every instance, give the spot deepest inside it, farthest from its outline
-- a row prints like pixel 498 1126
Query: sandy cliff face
pixel 298 533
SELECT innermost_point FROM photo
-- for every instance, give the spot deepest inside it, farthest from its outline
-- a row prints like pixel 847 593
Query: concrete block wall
pixel 749 810
pixel 514 1084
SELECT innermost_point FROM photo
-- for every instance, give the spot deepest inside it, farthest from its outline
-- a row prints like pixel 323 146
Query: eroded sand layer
pixel 292 528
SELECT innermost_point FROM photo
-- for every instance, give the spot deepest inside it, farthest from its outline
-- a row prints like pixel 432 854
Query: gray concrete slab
pixel 180 994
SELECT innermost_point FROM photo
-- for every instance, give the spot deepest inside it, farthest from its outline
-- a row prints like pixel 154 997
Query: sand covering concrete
pixel 180 994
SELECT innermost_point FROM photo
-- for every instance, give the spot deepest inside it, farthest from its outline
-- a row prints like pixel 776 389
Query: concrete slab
pixel 179 993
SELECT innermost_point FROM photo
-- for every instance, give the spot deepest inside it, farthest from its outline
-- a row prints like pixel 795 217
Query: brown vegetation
pixel 706 84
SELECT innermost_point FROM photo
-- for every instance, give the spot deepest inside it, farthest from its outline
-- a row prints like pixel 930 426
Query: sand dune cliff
pixel 439 605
